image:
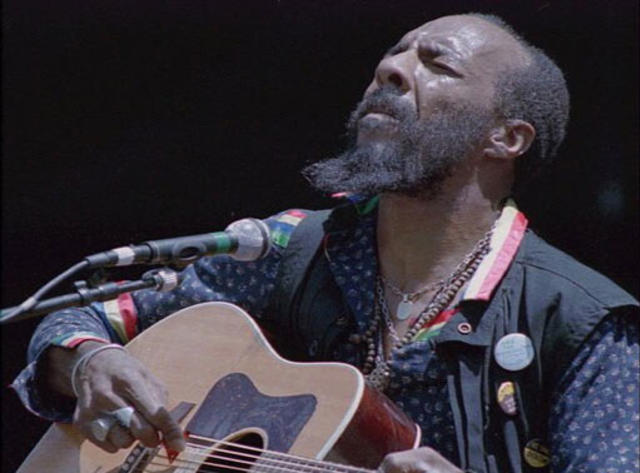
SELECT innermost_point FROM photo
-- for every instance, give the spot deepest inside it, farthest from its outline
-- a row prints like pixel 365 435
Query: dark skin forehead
pixel 480 46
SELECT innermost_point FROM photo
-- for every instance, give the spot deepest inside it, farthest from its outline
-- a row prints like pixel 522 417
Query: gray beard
pixel 415 162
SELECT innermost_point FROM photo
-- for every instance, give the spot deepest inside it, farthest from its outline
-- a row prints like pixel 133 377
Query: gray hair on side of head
pixel 537 94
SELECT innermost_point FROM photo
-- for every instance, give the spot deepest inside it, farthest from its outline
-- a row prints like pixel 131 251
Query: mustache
pixel 384 100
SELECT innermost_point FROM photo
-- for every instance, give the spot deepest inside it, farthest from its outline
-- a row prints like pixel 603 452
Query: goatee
pixel 415 161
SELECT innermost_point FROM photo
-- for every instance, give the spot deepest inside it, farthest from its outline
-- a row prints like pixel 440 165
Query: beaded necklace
pixel 377 368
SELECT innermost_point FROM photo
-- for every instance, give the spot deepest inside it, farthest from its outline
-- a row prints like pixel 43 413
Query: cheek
pixel 435 92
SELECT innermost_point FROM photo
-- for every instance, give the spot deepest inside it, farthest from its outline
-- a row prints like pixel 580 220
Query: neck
pixel 422 241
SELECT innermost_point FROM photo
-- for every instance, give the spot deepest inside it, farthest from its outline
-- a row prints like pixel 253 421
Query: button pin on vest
pixel 536 454
pixel 506 397
pixel 514 352
pixel 465 328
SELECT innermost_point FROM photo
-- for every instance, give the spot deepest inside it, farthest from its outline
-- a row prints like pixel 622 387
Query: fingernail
pixel 171 454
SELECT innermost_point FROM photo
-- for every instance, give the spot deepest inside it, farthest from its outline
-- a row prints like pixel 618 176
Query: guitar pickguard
pixel 281 418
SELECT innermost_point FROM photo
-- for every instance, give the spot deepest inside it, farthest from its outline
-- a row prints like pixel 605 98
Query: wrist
pixel 85 357
pixel 86 346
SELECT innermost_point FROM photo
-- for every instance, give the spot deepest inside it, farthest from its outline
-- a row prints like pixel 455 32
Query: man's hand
pixel 419 460
pixel 113 379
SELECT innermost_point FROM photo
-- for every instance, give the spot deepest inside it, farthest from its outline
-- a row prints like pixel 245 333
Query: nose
pixel 395 71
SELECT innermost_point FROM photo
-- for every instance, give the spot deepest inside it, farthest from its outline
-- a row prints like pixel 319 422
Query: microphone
pixel 244 240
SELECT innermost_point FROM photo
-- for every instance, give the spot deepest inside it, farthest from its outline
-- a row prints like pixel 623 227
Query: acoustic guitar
pixel 243 407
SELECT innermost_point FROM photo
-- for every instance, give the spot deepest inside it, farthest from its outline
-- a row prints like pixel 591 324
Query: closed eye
pixel 435 57
pixel 441 67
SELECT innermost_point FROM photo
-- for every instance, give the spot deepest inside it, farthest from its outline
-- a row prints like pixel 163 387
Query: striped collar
pixel 505 241
pixel 350 251
pixel 506 238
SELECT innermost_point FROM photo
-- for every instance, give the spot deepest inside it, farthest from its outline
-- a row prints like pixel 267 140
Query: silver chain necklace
pixel 405 306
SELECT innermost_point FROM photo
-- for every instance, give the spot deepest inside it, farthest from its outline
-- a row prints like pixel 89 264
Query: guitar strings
pixel 184 463
pixel 270 453
pixel 281 465
pixel 259 461
pixel 250 458
pixel 257 467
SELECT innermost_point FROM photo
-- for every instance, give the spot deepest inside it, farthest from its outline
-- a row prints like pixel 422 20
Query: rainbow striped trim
pixel 433 328
pixel 72 340
pixel 367 206
pixel 292 218
pixel 505 241
pixel 284 225
pixel 364 205
pixel 122 316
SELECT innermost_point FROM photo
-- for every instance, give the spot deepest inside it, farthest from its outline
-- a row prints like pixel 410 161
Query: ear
pixel 510 139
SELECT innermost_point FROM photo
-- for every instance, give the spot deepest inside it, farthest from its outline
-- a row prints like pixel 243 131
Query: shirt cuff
pixel 36 398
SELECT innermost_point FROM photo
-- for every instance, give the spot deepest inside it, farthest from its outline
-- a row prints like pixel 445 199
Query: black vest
pixel 545 294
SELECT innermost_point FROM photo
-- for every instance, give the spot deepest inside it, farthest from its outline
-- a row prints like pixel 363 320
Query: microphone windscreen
pixel 254 241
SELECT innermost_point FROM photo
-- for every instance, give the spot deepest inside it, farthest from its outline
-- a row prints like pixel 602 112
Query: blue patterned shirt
pixel 594 424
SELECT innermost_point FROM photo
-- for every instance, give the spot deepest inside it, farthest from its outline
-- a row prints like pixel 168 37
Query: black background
pixel 125 121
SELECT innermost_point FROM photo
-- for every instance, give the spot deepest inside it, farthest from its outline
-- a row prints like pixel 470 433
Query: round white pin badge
pixel 514 352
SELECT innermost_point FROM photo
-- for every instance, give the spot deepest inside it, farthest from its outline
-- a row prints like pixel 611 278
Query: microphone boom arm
pixel 163 280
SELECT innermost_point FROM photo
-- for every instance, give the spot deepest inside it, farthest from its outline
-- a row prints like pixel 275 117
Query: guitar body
pixel 213 356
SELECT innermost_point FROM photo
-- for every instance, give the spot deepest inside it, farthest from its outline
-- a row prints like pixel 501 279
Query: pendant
pixel 404 309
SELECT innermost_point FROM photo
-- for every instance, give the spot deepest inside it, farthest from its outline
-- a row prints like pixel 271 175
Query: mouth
pixel 377 115
pixel 375 125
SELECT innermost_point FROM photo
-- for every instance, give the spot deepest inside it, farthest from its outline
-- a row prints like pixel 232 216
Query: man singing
pixel 510 355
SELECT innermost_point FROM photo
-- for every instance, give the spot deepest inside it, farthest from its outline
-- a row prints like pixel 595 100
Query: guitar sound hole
pixel 234 458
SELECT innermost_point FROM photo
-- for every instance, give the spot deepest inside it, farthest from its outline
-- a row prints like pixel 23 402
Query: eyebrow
pixel 436 47
pixel 397 48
